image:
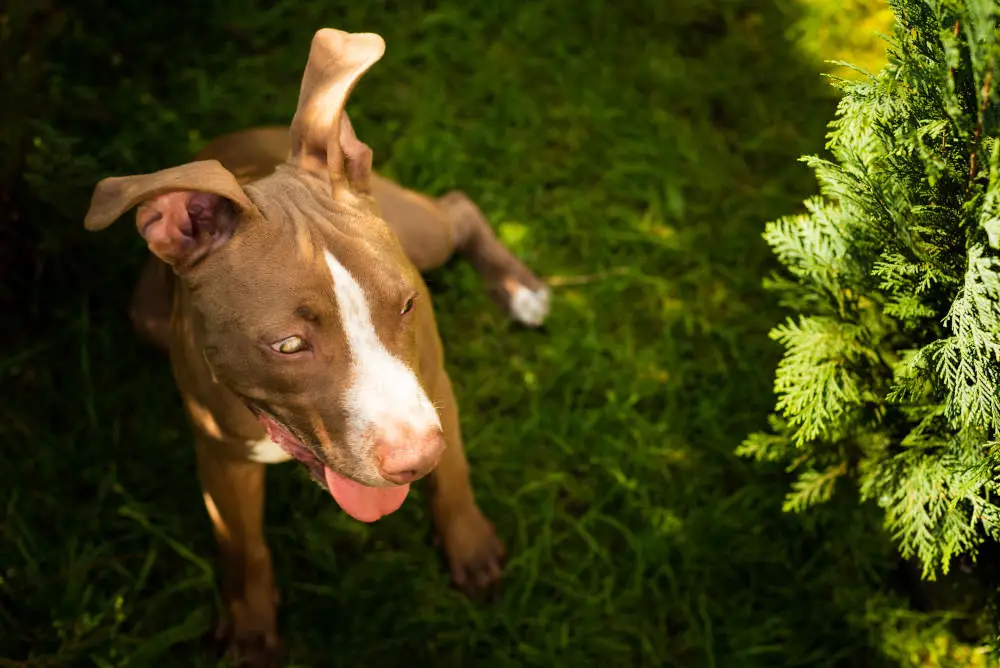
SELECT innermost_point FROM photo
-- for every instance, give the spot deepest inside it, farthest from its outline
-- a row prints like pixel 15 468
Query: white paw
pixel 529 307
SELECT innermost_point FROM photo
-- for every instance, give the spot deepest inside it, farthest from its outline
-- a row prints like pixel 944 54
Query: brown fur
pixel 236 240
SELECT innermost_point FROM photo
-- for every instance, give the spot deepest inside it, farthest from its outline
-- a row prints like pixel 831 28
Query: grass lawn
pixel 631 151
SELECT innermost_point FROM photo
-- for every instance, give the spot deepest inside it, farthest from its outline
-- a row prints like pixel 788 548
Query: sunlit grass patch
pixel 845 30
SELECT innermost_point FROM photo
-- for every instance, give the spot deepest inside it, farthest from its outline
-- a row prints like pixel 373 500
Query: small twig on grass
pixel 560 281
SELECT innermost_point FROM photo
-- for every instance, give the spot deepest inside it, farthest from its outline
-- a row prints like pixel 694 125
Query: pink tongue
pixel 365 504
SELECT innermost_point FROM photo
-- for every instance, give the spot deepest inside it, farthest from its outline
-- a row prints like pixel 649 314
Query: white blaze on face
pixel 384 395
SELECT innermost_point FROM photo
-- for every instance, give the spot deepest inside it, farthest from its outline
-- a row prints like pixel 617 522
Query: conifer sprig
pixel 891 369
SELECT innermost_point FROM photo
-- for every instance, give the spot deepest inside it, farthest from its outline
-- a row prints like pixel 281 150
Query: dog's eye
pixel 289 346
pixel 407 306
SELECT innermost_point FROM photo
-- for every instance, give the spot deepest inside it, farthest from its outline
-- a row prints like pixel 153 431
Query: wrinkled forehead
pixel 301 216
pixel 302 248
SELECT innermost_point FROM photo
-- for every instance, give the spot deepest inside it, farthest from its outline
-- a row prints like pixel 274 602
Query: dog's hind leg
pixel 432 230
pixel 509 282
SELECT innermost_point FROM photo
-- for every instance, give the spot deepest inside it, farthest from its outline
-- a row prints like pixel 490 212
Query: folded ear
pixel 184 212
pixel 357 157
pixel 323 140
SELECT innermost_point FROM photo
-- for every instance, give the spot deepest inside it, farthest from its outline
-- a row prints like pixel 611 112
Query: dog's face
pixel 311 313
pixel 306 305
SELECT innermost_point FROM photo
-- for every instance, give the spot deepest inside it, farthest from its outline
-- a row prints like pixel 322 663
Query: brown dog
pixel 285 284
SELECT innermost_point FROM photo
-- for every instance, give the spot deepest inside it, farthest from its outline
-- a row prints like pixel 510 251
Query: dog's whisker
pixel 581 279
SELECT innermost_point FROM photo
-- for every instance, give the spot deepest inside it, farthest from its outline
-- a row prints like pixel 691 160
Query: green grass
pixel 631 150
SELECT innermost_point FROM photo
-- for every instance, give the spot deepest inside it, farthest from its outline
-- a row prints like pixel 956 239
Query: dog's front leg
pixel 234 497
pixel 471 546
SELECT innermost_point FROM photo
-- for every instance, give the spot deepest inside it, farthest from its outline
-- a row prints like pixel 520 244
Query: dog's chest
pixel 266 451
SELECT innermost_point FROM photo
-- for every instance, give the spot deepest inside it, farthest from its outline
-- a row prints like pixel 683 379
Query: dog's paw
pixel 474 552
pixel 249 641
pixel 529 307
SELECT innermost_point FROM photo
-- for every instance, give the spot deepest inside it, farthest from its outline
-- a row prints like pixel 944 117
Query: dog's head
pixel 305 303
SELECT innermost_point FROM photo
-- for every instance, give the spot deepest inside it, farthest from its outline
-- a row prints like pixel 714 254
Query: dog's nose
pixel 410 459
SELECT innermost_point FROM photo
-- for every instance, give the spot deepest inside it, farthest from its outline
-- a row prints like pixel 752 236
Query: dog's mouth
pixel 363 503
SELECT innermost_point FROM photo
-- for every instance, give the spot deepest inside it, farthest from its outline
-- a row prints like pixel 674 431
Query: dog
pixel 284 282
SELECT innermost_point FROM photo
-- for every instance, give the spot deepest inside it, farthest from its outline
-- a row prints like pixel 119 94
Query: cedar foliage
pixel 891 360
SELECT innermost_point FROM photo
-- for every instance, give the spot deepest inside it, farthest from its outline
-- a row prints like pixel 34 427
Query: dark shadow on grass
pixel 648 137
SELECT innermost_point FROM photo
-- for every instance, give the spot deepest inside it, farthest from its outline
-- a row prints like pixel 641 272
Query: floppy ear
pixel 323 140
pixel 184 212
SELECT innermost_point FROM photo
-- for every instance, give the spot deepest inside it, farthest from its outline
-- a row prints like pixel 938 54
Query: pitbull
pixel 284 281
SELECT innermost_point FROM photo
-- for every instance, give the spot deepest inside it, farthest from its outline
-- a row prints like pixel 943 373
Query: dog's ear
pixel 323 140
pixel 184 212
